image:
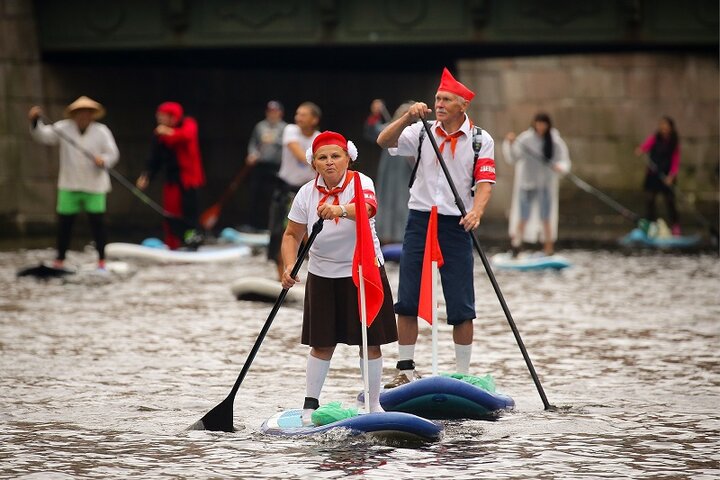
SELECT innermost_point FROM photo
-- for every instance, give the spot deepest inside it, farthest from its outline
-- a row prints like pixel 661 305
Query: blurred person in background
pixel 83 183
pixel 540 157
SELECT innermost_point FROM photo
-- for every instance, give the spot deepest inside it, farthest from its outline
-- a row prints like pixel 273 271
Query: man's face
pixel 83 117
pixel 165 119
pixel 273 115
pixel 449 107
pixel 304 118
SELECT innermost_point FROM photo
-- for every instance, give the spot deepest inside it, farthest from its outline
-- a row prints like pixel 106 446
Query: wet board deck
pixel 230 235
pixel 638 238
pixel 265 290
pixel 205 254
pixel 390 425
pixel 392 252
pixel 444 398
pixel 532 261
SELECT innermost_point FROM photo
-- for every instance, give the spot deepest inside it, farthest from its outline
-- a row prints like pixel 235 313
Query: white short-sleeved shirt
pixel 291 171
pixel 430 186
pixel 331 254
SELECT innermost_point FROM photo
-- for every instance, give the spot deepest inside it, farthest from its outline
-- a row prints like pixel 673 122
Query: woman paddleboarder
pixel 331 299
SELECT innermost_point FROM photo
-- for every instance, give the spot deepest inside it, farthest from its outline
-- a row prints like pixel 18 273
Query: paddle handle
pixel 488 269
pixel 316 228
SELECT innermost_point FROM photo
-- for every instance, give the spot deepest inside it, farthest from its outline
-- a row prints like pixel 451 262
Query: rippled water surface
pixel 100 379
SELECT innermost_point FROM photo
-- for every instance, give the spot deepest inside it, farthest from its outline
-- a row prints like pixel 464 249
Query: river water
pixel 101 379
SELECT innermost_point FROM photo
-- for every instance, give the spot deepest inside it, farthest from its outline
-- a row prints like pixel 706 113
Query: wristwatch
pixel 344 211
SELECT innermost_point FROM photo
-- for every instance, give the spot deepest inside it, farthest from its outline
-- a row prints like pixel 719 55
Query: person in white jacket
pixel 83 182
pixel 540 157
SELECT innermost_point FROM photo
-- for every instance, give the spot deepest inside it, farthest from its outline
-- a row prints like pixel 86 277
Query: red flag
pixel 365 257
pixel 432 253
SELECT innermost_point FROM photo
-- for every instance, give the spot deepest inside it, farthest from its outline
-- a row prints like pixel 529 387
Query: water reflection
pixel 101 379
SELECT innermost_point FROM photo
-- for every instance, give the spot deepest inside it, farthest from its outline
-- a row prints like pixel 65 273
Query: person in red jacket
pixel 176 149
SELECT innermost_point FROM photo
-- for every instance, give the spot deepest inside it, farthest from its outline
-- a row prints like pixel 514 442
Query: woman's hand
pixel 287 280
pixel 328 211
pixel 510 137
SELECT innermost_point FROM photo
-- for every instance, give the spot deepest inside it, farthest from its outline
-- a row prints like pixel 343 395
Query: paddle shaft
pixel 113 173
pixel 629 214
pixel 234 184
pixel 488 269
pixel 316 228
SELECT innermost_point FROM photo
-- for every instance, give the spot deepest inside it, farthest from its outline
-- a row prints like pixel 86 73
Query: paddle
pixel 701 219
pixel 220 418
pixel 209 217
pixel 488 269
pixel 629 214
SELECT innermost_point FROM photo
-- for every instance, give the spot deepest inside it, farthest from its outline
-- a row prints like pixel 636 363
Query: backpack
pixel 476 145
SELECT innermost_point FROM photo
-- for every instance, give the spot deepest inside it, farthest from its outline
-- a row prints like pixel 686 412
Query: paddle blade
pixel 209 217
pixel 219 419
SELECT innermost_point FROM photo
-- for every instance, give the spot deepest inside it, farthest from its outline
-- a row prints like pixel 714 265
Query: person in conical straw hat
pixel 331 298
pixel 469 153
pixel 87 150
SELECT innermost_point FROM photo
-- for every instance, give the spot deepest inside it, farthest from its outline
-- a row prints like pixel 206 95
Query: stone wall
pixel 27 170
pixel 604 105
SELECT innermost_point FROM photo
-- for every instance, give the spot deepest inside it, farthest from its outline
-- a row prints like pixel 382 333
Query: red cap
pixel 329 138
pixel 173 109
pixel 449 84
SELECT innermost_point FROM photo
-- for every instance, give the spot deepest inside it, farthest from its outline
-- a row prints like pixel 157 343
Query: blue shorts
pixel 527 197
pixel 456 274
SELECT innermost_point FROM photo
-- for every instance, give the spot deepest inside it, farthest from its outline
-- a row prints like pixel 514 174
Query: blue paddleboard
pixel 392 252
pixel 392 425
pixel 638 238
pixel 529 261
pixel 230 235
pixel 444 398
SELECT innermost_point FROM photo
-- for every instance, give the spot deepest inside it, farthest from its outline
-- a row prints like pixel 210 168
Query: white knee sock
pixel 406 352
pixel 462 358
pixel 374 380
pixel 315 374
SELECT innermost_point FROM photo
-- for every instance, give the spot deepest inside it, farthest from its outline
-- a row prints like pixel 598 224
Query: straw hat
pixel 88 103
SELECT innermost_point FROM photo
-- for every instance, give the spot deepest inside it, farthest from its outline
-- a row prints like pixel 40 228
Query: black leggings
pixel 669 202
pixel 65 225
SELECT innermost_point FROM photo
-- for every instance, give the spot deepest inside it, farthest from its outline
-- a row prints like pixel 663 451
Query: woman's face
pixel 331 162
pixel 540 127
pixel 665 128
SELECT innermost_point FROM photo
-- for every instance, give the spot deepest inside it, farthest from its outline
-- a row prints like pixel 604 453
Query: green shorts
pixel 72 202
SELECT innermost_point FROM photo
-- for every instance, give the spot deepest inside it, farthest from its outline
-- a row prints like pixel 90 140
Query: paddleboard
pixel 529 261
pixel 444 398
pixel 204 254
pixel 638 238
pixel 392 252
pixel 265 290
pixel 230 235
pixel 389 425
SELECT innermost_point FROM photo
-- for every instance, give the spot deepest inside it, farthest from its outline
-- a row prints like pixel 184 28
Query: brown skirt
pixel 331 314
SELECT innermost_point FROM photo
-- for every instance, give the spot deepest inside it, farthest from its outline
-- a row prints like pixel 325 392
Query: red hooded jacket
pixel 184 143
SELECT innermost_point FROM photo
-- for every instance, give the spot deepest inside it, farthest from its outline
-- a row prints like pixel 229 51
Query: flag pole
pixel 434 318
pixel 363 319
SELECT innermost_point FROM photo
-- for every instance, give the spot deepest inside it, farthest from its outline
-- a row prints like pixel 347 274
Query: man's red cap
pixel 173 109
pixel 449 84
pixel 329 138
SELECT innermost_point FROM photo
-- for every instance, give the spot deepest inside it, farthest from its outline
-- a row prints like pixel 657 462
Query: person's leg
pixel 97 225
pixel 545 205
pixel 65 225
pixel 672 211
pixel 526 199
pixel 650 213
pixel 318 364
pixel 463 338
pixel 375 364
pixel 172 203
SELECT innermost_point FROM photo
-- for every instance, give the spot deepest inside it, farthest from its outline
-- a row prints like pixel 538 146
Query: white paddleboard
pixel 265 290
pixel 204 254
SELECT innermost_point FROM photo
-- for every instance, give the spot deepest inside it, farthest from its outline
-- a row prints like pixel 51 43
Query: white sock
pixel 406 352
pixel 462 358
pixel 316 372
pixel 375 380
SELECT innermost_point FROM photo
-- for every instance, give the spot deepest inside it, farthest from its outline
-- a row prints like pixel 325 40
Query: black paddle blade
pixel 43 272
pixel 219 419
